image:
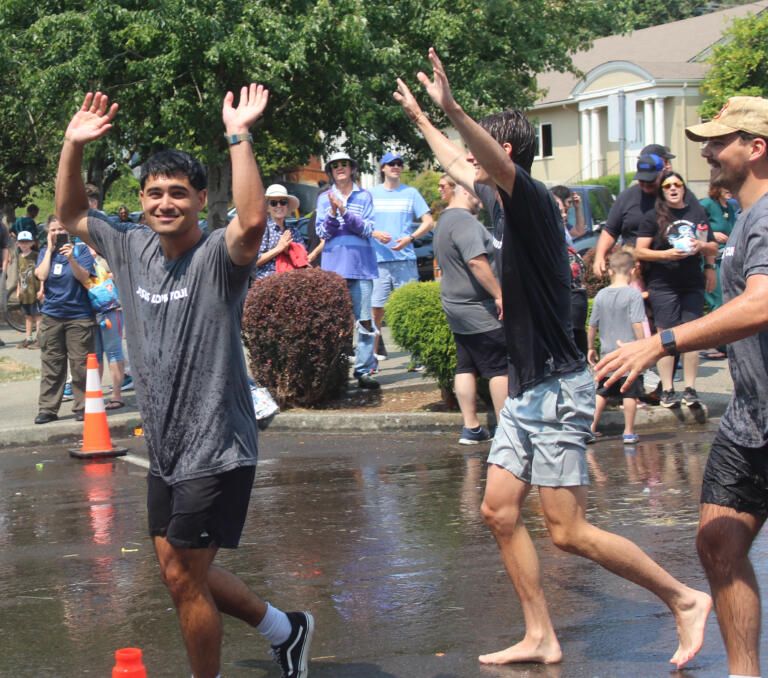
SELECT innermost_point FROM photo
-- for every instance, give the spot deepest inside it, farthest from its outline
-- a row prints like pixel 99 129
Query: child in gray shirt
pixel 618 314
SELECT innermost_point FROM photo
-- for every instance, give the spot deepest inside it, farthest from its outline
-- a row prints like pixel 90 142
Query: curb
pixel 123 425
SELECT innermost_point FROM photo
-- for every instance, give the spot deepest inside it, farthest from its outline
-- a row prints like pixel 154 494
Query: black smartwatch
pixel 668 342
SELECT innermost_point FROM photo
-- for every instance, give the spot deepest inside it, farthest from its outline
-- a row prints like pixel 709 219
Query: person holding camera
pixel 66 328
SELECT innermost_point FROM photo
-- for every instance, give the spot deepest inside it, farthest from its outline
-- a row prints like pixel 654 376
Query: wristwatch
pixel 668 342
pixel 710 266
pixel 237 138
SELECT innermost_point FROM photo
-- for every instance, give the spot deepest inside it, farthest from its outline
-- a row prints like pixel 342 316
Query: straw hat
pixel 276 191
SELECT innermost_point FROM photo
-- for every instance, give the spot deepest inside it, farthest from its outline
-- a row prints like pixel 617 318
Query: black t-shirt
pixel 536 287
pixel 629 211
pixel 680 274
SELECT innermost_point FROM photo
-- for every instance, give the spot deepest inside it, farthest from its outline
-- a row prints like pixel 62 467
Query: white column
pixel 659 136
pixel 648 122
pixel 594 134
pixel 586 149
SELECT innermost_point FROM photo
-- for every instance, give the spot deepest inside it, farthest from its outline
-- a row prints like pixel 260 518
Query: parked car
pixel 596 202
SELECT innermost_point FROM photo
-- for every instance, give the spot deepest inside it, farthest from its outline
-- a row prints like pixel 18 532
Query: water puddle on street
pixel 379 535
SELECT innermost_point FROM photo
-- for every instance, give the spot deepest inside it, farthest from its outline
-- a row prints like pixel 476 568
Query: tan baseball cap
pixel 740 114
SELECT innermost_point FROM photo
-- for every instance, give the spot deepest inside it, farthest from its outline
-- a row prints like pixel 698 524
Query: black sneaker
pixel 292 655
pixel 368 382
pixel 690 397
pixel 670 398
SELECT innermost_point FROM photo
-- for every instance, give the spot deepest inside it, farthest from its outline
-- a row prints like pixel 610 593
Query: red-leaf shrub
pixel 297 327
pixel 592 282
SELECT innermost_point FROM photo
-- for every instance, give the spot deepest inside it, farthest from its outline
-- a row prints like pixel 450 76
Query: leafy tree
pixel 737 64
pixel 330 66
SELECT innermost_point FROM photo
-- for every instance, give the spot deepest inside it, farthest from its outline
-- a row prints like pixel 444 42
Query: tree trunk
pixel 7 213
pixel 219 189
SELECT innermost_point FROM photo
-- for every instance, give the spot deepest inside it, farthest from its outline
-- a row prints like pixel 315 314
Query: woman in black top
pixel 673 239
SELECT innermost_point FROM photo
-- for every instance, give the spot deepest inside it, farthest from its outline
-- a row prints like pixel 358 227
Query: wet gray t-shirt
pixel 745 422
pixel 460 237
pixel 182 320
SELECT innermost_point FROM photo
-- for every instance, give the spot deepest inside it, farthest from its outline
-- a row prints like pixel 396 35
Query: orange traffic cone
pixel 96 440
pixel 128 664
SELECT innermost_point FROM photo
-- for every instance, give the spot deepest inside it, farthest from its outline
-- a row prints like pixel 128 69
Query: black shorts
pixel 674 307
pixel 483 354
pixel 635 390
pixel 32 309
pixel 202 513
pixel 736 477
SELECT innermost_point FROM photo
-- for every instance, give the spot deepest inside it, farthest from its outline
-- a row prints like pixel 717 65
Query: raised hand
pixel 438 88
pixel 92 120
pixel 253 101
pixel 408 101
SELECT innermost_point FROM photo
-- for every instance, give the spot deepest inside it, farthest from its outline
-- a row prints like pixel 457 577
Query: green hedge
pixel 417 321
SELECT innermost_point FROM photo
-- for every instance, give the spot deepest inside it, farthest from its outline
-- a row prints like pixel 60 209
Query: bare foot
pixel 691 622
pixel 546 651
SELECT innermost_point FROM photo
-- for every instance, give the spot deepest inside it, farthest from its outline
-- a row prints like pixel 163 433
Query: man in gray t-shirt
pixel 471 298
pixel 182 295
pixel 734 496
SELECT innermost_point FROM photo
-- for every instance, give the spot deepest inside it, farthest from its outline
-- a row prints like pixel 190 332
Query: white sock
pixel 275 627
pixel 733 675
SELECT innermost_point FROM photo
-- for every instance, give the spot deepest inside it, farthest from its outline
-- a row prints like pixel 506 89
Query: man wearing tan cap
pixel 734 496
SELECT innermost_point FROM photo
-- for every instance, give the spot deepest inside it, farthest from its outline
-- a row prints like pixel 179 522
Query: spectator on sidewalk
pixel 722 211
pixel 629 209
pixel 618 313
pixel 108 337
pixel 66 328
pixel 278 236
pixel 28 290
pixel 28 222
pixel 471 298
pixel 395 208
pixel 5 241
pixel 672 240
pixel 567 199
pixel 346 223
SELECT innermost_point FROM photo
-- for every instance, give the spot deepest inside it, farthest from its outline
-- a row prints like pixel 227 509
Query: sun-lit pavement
pixel 380 536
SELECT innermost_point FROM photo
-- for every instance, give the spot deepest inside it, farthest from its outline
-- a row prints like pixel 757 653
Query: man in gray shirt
pixel 734 495
pixel 471 297
pixel 183 294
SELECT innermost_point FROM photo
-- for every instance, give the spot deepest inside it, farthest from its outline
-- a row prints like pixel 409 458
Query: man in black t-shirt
pixel 182 294
pixel 541 438
pixel 629 210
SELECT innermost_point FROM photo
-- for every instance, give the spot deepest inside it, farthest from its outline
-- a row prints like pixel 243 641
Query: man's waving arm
pixel 487 152
pixel 244 232
pixel 92 120
pixel 450 157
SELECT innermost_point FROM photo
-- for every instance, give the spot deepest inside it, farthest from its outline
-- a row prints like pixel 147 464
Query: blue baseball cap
pixel 389 156
pixel 648 167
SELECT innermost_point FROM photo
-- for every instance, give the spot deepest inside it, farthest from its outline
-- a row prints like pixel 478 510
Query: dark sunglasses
pixel 670 184
pixel 339 163
pixel 395 163
pixel 282 201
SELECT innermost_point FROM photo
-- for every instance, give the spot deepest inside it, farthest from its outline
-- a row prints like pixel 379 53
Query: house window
pixel 545 140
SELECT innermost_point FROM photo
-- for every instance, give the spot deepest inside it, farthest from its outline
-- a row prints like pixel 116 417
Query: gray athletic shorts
pixel 542 435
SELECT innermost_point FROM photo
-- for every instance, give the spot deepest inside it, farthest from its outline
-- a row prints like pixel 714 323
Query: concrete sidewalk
pixel 18 405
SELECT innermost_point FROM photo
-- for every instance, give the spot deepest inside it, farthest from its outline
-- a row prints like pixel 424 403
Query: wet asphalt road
pixel 380 536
